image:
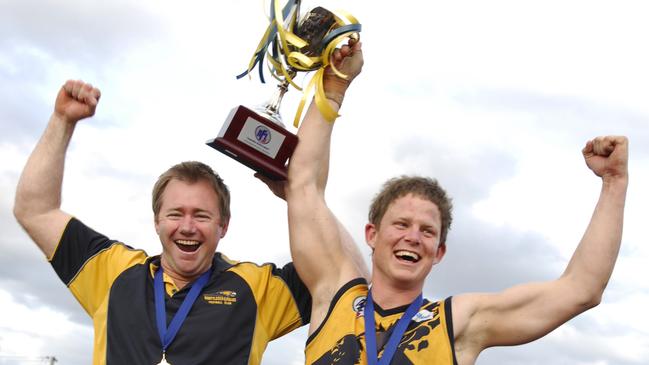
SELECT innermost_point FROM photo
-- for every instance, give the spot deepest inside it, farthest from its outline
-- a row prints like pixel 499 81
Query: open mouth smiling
pixel 187 245
pixel 403 255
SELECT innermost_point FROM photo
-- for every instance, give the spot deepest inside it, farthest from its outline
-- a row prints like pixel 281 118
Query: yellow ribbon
pixel 289 44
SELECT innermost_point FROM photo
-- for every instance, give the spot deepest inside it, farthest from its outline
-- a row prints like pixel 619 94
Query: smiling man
pixel 392 323
pixel 189 305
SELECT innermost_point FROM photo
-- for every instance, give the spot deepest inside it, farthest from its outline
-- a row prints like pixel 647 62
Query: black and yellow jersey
pixel 340 339
pixel 241 308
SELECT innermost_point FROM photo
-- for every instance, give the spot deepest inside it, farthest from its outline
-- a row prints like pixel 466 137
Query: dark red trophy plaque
pixel 256 141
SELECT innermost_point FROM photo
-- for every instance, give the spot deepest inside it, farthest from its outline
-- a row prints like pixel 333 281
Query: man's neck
pixel 180 280
pixel 390 296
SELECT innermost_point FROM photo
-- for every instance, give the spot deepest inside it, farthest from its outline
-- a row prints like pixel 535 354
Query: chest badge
pixel 423 315
pixel 223 297
pixel 358 305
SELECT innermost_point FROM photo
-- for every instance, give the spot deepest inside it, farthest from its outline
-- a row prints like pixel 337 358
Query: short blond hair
pixel 423 187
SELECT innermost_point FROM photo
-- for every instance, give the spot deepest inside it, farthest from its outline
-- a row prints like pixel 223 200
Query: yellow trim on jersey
pixel 92 283
pixel 170 285
pixel 101 332
pixel 277 312
pixel 91 287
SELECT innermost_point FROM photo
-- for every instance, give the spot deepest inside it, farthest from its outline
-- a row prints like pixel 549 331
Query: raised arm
pixel 527 312
pixel 38 196
pixel 323 252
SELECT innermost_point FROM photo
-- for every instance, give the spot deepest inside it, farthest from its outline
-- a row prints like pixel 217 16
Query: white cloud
pixel 39 331
pixel 493 98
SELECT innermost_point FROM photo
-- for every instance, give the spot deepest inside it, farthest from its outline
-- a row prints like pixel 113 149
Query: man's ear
pixel 370 235
pixel 441 251
pixel 157 226
pixel 224 228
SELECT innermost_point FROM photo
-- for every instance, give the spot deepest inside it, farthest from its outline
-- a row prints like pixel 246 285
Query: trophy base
pixel 256 142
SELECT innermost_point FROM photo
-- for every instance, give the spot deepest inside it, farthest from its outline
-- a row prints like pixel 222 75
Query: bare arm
pixel 323 252
pixel 279 187
pixel 38 195
pixel 527 312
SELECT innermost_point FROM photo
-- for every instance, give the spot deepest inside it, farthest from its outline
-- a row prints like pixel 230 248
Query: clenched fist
pixel 76 100
pixel 608 157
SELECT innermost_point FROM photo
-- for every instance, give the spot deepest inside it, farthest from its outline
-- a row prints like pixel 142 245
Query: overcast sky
pixel 495 99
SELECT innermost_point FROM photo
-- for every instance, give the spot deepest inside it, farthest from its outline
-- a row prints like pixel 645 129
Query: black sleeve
pixel 79 243
pixel 298 289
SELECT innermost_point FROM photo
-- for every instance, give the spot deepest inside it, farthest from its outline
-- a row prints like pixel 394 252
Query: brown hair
pixel 423 187
pixel 191 172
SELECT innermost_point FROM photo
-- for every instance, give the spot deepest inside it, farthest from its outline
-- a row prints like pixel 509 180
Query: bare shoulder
pixel 466 330
pixel 464 307
pixel 327 297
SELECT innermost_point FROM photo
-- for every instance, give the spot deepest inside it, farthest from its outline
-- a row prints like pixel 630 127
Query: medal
pixel 167 335
pixel 164 360
pixel 397 333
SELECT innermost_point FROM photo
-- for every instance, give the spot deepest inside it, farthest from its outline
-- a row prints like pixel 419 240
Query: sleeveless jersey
pixel 340 339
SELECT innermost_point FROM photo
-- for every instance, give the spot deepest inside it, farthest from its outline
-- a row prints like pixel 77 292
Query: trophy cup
pixel 256 137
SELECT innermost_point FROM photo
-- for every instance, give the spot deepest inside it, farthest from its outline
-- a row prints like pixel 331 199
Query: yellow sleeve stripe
pixel 92 283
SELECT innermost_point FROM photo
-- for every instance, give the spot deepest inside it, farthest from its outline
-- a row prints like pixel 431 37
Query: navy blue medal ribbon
pixel 167 335
pixel 397 333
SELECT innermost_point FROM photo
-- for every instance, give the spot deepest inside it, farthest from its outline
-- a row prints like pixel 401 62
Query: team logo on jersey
pixel 358 305
pixel 262 134
pixel 423 315
pixel 225 297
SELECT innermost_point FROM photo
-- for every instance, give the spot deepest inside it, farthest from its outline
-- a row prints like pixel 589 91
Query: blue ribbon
pixel 167 335
pixel 271 38
pixel 338 31
pixel 397 333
